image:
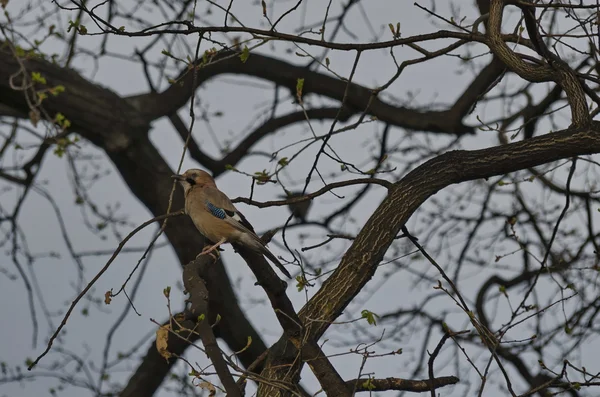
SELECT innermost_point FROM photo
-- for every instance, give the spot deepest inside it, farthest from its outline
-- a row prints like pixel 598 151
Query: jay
pixel 216 218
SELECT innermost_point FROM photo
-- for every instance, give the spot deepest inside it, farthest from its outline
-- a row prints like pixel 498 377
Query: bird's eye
pixel 190 181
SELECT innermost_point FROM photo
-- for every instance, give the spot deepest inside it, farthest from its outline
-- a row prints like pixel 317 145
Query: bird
pixel 300 209
pixel 216 218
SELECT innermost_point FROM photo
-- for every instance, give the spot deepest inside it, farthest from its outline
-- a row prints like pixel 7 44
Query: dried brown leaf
pixel 162 341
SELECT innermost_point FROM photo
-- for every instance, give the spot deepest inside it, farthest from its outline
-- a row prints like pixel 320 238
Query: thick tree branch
pixel 360 261
pixel 410 192
pixel 149 375
pixel 110 122
pixel 156 105
pixel 294 332
pixel 480 85
pixel 198 297
pixel 556 70
pixel 417 386
pixel 217 167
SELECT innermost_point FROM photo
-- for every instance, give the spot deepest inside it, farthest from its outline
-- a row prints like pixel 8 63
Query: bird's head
pixel 195 177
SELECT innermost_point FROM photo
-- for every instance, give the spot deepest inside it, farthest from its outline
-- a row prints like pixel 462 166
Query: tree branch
pixel 156 105
pixel 556 70
pixel 198 296
pixel 150 373
pixel 217 167
pixel 360 261
pixel 294 332
pixel 112 123
pixel 417 386
pixel 310 196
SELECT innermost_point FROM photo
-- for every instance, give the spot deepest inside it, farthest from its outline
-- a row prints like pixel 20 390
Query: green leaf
pixel 72 25
pixel 302 282
pixel 245 54
pixel 262 177
pixel 167 291
pixel 368 384
pixel 37 77
pixel 59 151
pixel 369 316
pixel 299 87
pixel 283 161
pixel 63 122
pixel 391 26
pixel 57 90
pixel 568 330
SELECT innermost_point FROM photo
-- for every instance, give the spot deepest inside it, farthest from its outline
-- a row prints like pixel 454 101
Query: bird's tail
pixel 275 261
pixel 254 242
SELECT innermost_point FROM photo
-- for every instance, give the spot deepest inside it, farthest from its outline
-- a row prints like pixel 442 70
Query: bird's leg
pixel 210 249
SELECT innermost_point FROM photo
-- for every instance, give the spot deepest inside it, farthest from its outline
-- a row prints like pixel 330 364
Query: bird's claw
pixel 212 251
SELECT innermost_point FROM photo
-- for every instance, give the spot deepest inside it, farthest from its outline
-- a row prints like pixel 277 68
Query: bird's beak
pixel 178 177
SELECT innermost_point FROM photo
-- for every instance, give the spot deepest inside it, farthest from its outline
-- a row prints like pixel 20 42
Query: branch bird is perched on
pixel 216 217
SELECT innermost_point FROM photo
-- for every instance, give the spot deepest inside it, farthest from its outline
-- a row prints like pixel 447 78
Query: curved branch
pixel 113 124
pixel 217 167
pixel 294 332
pixel 156 105
pixel 310 196
pixel 360 262
pixel 533 73
pixel 557 70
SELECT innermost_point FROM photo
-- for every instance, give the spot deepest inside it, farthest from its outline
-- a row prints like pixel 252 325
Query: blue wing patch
pixel 216 211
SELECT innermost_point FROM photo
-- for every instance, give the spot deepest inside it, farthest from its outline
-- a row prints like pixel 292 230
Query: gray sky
pixel 432 83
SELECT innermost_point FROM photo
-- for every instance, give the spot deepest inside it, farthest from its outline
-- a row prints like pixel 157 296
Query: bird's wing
pixel 219 205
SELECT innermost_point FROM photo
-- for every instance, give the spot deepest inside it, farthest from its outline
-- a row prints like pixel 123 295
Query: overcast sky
pixel 433 83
